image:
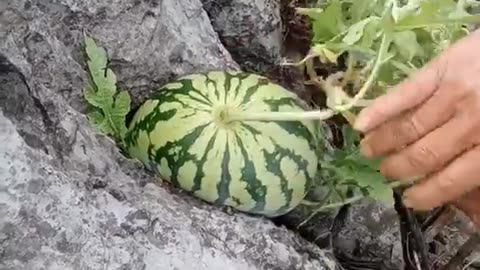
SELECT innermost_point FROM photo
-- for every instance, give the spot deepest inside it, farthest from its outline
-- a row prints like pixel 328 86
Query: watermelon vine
pixel 237 139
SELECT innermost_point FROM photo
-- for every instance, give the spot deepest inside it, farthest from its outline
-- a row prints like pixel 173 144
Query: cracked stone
pixel 58 223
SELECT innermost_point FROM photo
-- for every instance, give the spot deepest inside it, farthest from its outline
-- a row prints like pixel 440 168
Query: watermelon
pixel 182 133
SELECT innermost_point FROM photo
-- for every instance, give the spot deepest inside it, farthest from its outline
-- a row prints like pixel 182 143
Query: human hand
pixel 428 126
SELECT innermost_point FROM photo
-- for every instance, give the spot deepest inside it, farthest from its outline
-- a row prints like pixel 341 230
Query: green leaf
pixel 407 45
pixel 120 110
pixel 99 120
pixel 99 99
pixel 328 23
pixel 376 185
pixel 434 13
pixel 350 170
pixel 371 33
pixel 356 158
pixel 102 77
pixel 109 112
pixel 355 32
pixel 350 137
pixel 360 9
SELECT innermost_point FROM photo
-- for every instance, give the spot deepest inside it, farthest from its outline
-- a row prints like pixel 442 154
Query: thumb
pixel 402 97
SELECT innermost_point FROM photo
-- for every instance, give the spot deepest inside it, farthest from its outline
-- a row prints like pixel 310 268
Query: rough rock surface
pixel 149 42
pixel 474 260
pixel 254 34
pixel 251 30
pixel 366 233
pixel 68 199
pixel 379 229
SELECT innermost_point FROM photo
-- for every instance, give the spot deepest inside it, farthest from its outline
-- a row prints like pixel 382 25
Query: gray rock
pixel 68 198
pixel 372 231
pixel 474 260
pixel 366 233
pixel 251 30
pixel 149 42
pixel 67 226
pixel 254 33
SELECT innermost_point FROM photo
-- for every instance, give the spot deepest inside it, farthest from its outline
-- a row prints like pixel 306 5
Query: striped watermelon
pixel 259 167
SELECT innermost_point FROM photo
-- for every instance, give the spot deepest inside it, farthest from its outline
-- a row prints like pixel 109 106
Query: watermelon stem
pixel 319 114
pixel 281 116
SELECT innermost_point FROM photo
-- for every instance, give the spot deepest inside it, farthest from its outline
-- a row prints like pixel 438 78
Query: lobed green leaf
pixel 108 111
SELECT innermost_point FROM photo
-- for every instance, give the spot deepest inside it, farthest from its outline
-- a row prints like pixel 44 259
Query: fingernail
pixel 365 149
pixel 360 124
pixel 362 121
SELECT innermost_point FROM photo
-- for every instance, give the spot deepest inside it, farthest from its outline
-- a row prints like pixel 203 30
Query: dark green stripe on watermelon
pixel 177 160
pixel 147 123
pixel 255 187
pixel 273 165
pixel 252 89
pixel 170 95
pixel 240 77
pixel 199 176
pixel 226 178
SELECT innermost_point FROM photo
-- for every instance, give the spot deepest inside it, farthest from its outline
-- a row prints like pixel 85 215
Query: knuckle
pixel 470 101
pixel 471 127
pixel 410 129
pixel 445 182
pixel 422 157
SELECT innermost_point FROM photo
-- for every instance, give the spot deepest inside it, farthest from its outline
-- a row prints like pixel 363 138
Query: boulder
pixel 254 33
pixel 68 198
pixel 251 30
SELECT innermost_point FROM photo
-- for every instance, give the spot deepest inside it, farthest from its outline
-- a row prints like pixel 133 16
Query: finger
pixel 459 177
pixel 413 125
pixel 418 88
pixel 470 205
pixel 404 96
pixel 433 151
